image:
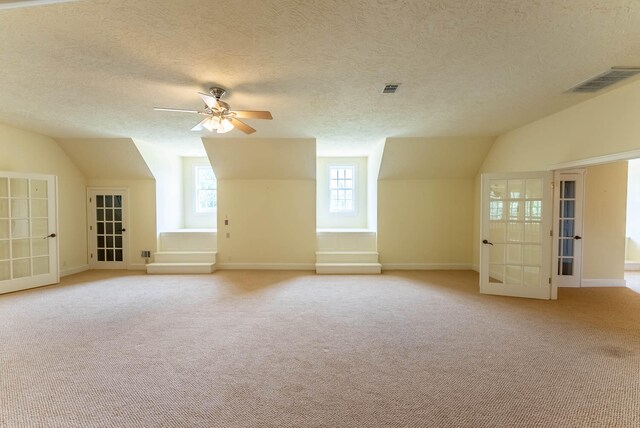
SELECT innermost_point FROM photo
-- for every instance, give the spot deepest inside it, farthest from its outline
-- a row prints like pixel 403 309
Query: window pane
pixel 341 185
pixel 206 184
pixel 569 189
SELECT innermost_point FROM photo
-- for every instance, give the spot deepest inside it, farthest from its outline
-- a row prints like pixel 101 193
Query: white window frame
pixel 197 189
pixel 354 175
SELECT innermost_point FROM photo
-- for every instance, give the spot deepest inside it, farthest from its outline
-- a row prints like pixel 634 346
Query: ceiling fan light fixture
pixel 225 126
pixel 210 124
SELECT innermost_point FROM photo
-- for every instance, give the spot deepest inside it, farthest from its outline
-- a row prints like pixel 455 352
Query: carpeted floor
pixel 285 349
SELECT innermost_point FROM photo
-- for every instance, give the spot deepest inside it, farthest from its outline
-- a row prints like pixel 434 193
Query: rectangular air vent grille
pixel 391 88
pixel 605 79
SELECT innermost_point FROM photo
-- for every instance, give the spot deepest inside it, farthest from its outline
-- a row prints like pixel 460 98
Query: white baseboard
pixel 74 270
pixel 137 266
pixel 265 266
pixel 475 268
pixel 603 283
pixel 632 266
pixel 427 266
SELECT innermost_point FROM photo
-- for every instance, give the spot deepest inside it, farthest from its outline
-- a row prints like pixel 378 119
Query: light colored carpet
pixel 284 349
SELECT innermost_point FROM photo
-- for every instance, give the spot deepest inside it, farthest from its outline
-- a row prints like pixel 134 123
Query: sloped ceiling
pixel 276 159
pixel 433 158
pixel 96 68
pixel 102 158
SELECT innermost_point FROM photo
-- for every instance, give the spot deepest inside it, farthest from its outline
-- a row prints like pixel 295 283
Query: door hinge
pixel 90 227
pixel 89 199
pixel 551 232
pixel 549 280
pixel 91 255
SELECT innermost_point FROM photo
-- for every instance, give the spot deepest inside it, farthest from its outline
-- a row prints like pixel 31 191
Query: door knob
pixel 577 237
pixel 53 235
pixel 484 241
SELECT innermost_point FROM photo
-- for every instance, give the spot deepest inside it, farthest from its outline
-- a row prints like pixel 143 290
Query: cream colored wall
pixel 604 221
pixel 23 151
pixel 327 220
pixel 267 191
pixel 141 227
pixel 425 200
pixel 166 168
pixel 270 221
pixel 425 222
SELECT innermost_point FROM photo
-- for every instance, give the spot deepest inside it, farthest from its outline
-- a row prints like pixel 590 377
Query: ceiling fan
pixel 219 116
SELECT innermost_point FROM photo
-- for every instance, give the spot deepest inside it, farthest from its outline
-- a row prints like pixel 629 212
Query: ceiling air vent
pixel 390 88
pixel 605 79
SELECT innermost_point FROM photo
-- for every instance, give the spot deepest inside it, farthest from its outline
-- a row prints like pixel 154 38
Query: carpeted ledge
pixel 290 349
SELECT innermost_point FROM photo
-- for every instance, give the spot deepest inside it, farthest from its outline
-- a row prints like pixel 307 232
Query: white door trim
pixel 596 160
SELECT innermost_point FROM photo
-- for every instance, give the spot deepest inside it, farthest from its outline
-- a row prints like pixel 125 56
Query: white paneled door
pixel 107 213
pixel 515 248
pixel 28 227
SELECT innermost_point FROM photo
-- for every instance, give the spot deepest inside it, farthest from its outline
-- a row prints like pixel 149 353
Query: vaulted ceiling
pixel 96 68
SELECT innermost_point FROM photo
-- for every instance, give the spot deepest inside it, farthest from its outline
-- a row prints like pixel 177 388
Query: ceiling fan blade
pixel 210 101
pixel 246 114
pixel 179 110
pixel 200 125
pixel 242 126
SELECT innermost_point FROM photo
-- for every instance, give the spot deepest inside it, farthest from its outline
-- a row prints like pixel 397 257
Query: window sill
pixel 346 230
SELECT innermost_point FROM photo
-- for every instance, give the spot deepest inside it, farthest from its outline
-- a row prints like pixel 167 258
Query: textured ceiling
pixel 96 68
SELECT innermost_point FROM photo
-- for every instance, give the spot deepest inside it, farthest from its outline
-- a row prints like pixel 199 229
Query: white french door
pixel 107 215
pixel 515 246
pixel 28 225
pixel 567 236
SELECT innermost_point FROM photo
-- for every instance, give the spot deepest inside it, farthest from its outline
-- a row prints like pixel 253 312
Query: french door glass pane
pixel 4 187
pixel 4 229
pixel 39 208
pixel 40 265
pixel 19 187
pixel 5 270
pixel 39 189
pixel 21 268
pixel 4 249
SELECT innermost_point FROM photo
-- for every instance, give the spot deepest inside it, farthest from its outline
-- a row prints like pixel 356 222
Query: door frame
pixel 580 192
pixel 92 233
pixel 545 268
pixel 53 277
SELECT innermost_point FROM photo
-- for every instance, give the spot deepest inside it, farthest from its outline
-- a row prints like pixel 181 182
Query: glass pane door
pixel 514 239
pixel 28 250
pixel 107 249
pixel 567 252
